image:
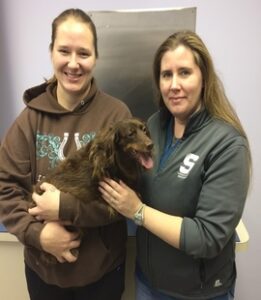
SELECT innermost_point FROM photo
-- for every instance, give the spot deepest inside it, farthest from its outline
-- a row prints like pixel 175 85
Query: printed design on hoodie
pixel 52 147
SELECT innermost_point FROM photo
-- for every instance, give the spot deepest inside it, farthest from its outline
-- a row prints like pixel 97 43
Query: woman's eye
pixel 166 74
pixel 84 54
pixel 63 51
pixel 184 72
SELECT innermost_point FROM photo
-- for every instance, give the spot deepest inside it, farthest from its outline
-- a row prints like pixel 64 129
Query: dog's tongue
pixel 146 162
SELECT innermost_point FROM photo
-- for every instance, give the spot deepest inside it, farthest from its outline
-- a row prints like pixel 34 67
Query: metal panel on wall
pixel 127 41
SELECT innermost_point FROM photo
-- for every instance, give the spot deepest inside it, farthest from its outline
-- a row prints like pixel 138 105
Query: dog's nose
pixel 150 146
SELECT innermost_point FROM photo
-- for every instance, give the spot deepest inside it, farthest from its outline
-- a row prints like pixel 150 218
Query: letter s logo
pixel 188 163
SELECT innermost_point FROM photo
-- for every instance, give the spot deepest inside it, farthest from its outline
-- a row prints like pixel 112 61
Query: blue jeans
pixel 143 292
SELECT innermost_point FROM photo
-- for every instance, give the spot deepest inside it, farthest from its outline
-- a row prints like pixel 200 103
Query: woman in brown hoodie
pixel 60 116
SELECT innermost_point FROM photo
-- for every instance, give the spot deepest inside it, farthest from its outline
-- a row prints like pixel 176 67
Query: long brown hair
pixel 214 98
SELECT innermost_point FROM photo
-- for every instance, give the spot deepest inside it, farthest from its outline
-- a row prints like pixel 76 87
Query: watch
pixel 139 215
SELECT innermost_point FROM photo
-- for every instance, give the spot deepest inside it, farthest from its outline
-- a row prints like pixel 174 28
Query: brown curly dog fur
pixel 120 151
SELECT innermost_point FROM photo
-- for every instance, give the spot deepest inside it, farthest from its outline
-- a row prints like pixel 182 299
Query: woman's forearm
pixel 165 226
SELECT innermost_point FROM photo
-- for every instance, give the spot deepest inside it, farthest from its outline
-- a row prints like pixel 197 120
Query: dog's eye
pixel 143 128
pixel 131 133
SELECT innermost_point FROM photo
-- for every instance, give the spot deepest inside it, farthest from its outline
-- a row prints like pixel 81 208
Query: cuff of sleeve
pixel 182 245
pixel 190 239
pixel 67 207
pixel 32 235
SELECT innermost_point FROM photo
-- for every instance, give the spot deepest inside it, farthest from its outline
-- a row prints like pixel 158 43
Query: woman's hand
pixel 47 204
pixel 125 201
pixel 59 242
pixel 120 197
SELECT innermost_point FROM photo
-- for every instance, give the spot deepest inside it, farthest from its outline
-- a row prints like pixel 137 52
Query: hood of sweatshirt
pixel 43 98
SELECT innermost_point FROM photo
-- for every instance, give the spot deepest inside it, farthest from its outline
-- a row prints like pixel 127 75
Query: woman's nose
pixel 73 63
pixel 175 82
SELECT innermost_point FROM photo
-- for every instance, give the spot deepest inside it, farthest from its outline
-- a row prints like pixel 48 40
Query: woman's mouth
pixel 72 76
pixel 176 99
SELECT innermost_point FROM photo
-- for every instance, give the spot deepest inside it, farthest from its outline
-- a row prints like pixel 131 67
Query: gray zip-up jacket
pixel 204 179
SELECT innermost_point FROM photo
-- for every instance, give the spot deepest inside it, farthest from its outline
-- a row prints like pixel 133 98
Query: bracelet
pixel 139 215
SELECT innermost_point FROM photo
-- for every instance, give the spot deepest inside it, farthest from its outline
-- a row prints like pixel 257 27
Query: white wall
pixel 232 32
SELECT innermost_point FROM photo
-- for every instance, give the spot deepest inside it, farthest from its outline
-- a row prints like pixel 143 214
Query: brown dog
pixel 120 151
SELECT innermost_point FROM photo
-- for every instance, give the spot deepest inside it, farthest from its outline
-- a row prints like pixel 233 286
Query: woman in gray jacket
pixel 191 202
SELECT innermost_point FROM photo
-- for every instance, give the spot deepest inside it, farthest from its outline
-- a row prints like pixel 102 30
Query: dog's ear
pixel 117 137
pixel 99 166
pixel 102 152
pixel 97 159
pixel 109 146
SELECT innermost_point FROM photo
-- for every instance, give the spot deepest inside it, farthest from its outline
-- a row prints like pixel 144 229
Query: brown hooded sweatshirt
pixel 41 135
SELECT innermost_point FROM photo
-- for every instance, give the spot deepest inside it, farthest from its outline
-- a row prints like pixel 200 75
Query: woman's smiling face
pixel 73 57
pixel 180 82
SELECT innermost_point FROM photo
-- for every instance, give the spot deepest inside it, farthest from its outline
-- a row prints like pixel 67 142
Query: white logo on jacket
pixel 218 283
pixel 187 165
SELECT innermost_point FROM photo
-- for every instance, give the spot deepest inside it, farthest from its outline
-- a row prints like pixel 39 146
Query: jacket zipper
pixel 202 273
pixel 148 255
pixel 167 152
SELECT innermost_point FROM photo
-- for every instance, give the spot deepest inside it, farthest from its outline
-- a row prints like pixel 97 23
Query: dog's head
pixel 122 150
pixel 132 141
